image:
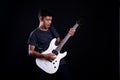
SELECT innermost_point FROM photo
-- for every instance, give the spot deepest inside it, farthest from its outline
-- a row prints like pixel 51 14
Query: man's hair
pixel 44 13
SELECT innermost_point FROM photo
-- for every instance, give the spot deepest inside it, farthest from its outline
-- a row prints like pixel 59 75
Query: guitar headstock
pixel 78 21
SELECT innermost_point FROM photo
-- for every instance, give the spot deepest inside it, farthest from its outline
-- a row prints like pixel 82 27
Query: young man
pixel 39 41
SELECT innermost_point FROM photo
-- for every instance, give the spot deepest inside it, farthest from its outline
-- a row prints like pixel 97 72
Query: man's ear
pixel 40 19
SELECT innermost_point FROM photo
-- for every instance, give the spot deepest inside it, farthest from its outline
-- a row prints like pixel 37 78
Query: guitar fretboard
pixel 65 39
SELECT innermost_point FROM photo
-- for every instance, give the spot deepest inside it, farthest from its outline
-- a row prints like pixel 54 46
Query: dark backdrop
pixel 91 52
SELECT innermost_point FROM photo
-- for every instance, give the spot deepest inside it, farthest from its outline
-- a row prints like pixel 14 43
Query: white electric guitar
pixel 52 66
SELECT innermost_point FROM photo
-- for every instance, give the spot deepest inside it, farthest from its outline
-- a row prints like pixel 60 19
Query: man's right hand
pixel 50 56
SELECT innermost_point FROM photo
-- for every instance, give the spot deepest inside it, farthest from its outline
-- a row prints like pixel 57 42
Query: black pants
pixel 62 74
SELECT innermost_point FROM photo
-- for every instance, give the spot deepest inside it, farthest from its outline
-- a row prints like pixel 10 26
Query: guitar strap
pixel 52 32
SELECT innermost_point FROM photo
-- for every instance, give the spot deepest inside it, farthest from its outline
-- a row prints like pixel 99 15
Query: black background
pixel 92 51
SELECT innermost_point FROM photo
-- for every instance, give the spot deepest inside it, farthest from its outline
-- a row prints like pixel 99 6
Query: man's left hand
pixel 72 31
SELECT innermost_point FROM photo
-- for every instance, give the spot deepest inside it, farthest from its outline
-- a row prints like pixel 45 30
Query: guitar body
pixel 50 66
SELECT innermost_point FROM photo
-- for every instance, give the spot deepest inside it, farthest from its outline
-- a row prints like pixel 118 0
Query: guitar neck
pixel 65 39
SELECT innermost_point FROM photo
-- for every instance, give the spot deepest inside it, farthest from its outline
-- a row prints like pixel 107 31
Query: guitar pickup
pixel 55 52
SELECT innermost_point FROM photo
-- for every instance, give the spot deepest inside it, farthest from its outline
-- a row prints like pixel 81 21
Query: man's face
pixel 47 21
